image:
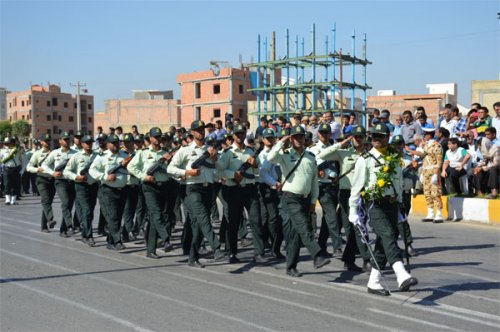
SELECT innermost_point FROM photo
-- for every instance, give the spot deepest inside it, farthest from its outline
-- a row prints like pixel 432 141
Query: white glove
pixel 354 218
pixel 402 217
pixel 434 179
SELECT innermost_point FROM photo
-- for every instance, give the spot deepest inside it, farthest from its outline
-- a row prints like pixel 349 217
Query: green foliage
pixel 5 128
pixel 21 128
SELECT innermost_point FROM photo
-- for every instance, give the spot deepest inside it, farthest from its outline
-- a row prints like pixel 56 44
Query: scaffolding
pixel 316 93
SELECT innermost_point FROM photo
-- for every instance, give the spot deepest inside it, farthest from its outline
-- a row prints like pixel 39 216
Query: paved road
pixel 50 283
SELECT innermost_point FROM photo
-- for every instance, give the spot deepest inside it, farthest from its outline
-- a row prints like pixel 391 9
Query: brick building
pixel 49 110
pixel 149 108
pixel 209 95
pixel 3 104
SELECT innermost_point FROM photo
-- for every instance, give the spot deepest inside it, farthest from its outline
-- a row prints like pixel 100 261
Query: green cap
pixel 154 132
pixel 113 139
pixel 358 131
pixel 45 137
pixel 380 128
pixel 297 130
pixel 102 137
pixel 79 133
pixel 309 135
pixel 64 135
pixel 139 138
pixel 268 132
pixel 284 132
pixel 210 140
pixel 197 124
pixel 325 127
pixel 239 128
pixel 398 139
pixel 227 136
pixel 87 139
pixel 128 137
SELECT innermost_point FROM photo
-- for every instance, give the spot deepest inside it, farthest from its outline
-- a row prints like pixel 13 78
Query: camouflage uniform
pixel 432 161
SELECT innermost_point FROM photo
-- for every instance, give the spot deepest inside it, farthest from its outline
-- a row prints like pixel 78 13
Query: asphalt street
pixel 49 283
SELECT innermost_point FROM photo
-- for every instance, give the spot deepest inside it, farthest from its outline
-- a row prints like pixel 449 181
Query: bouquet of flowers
pixel 376 190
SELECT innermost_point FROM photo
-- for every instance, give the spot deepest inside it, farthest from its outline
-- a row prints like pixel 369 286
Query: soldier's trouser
pixel 187 230
pixel 47 192
pixel 114 199
pixel 270 200
pixel 86 194
pixel 131 198
pixel 237 199
pixel 102 212
pixel 155 195
pixel 299 230
pixel 34 188
pixel 432 192
pixel 26 182
pixel 328 199
pixel 172 190
pixel 11 180
pixel 214 211
pixel 404 227
pixel 76 216
pixel 140 212
pixel 454 177
pixel 199 203
pixel 353 237
pixel 66 191
pixel 384 221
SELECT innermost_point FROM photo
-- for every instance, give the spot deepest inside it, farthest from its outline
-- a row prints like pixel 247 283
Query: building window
pixel 89 107
pixel 48 103
pixel 22 103
pixel 60 118
pixel 89 120
pixel 65 104
pixel 216 112
pixel 216 89
pixel 48 117
pixel 74 106
pixel 55 129
pixel 10 104
pixel 22 117
pixel 197 90
pixel 70 119
pixel 241 88
pixel 197 113
pixel 54 116
pixel 54 101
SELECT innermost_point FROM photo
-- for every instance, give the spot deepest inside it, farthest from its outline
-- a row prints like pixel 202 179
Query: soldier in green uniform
pixel 300 193
pixel 199 185
pixel 86 186
pixel 112 186
pixel 25 177
pixel 239 192
pixel 150 167
pixel 44 183
pixel 347 153
pixel 101 225
pixel 131 192
pixel 140 212
pixel 328 193
pixel 77 146
pixel 379 175
pixel 11 159
pixel 54 165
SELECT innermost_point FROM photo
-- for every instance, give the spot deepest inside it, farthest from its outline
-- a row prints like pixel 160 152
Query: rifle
pixel 61 166
pixel 201 161
pixel 123 164
pixel 85 171
pixel 245 166
pixel 155 167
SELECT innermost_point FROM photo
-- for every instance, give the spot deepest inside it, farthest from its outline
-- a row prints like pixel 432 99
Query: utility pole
pixel 78 85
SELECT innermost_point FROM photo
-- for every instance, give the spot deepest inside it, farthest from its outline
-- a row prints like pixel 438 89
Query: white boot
pixel 13 199
pixel 7 199
pixel 430 215
pixel 405 280
pixel 374 285
pixel 439 216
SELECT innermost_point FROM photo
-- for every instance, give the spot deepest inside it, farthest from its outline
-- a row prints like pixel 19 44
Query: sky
pixel 119 46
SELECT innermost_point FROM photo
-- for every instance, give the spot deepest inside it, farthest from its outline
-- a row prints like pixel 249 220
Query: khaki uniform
pixel 432 161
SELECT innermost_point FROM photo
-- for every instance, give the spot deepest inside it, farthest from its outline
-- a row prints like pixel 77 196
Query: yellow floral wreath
pixel 376 191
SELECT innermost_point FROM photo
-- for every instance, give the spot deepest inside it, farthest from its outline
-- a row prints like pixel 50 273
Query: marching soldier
pixel 379 175
pixel 238 167
pixel 150 167
pixel 328 193
pixel 54 165
pixel 140 212
pixel 269 185
pixel 199 185
pixel 131 192
pixel 44 183
pixel 86 187
pixel 25 178
pixel 77 146
pixel 11 159
pixel 347 158
pixel 300 193
pixel 101 149
pixel 77 141
pixel 108 169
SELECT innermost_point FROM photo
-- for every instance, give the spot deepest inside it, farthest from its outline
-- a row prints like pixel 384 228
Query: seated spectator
pixel 486 174
pixel 409 128
pixel 455 164
pixel 385 118
pixel 419 110
pixel 496 120
pixel 398 122
pixel 422 121
pixel 376 117
pixel 484 121
pixel 461 127
pixel 304 122
pixel 346 127
pixel 448 121
pixel 491 134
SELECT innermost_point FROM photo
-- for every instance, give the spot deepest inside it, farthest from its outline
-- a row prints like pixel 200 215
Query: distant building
pixel 3 104
pixel 49 110
pixel 486 93
pixel 210 95
pixel 149 108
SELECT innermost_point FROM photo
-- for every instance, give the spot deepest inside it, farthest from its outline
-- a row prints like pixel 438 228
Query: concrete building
pixel 49 110
pixel 433 102
pixel 486 93
pixel 3 104
pixel 148 108
pixel 210 95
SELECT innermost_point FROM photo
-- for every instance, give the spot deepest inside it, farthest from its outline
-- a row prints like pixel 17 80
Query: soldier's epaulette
pixel 312 154
pixel 365 155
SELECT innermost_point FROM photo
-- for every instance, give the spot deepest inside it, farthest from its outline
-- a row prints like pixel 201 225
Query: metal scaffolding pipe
pixel 353 69
pixel 287 91
pixel 325 98
pixel 265 75
pixel 313 93
pixel 258 77
pixel 296 72
pixel 332 89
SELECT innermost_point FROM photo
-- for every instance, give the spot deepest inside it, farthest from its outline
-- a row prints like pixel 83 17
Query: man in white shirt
pixel 448 122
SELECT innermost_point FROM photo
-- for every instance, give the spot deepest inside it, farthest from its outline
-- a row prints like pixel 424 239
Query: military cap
pixel 176 140
pixel 358 131
pixel 6 140
pixel 26 140
pixel 284 132
pixel 309 135
pixel 128 137
pixel 102 137
pixel 113 139
pixel 380 128
pixel 112 128
pixel 325 127
pixel 297 130
pixel 197 124
pixel 268 132
pixel 155 132
pixel 35 142
pixel 227 136
pixel 79 133
pixel 139 138
pixel 186 135
pixel 87 139
pixel 45 137
pixel 429 130
pixel 398 139
pixel 239 128
pixel 210 140
pixel 169 136
pixel 64 135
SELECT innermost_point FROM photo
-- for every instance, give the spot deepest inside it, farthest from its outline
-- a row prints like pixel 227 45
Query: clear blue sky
pixel 119 46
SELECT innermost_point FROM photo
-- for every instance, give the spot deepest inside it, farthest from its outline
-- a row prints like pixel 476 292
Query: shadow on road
pixel 430 250
pixel 447 290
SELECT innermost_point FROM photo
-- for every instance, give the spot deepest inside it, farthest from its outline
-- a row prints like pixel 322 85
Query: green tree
pixel 21 128
pixel 5 128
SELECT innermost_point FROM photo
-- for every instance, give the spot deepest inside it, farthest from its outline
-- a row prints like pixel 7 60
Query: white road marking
pixel 291 290
pixel 419 321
